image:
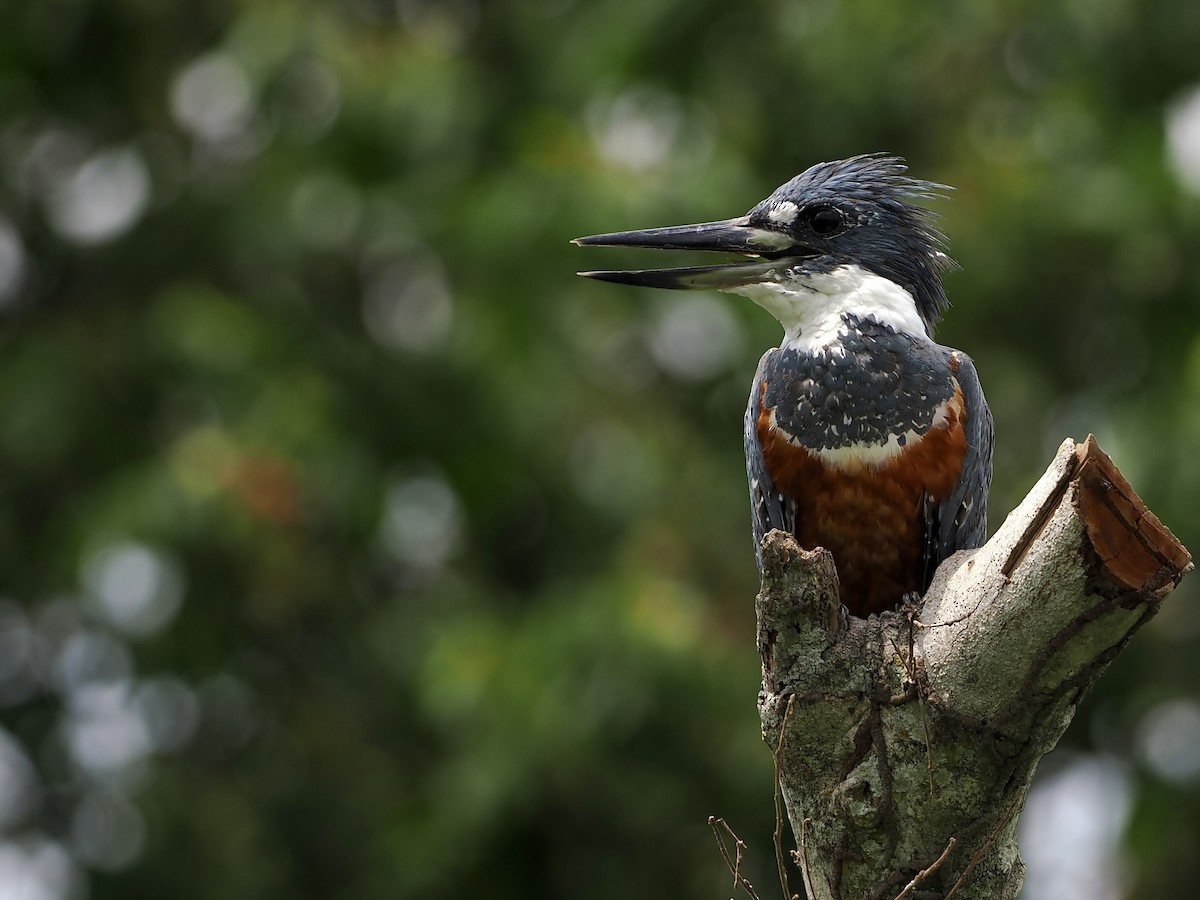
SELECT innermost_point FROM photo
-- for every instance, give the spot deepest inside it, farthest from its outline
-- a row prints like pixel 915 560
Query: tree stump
pixel 909 740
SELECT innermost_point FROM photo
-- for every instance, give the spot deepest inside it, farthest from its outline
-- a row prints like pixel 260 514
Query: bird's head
pixel 854 215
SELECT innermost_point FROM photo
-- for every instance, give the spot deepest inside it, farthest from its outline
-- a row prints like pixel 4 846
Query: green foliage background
pixel 459 541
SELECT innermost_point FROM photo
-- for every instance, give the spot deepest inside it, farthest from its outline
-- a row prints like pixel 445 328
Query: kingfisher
pixel 862 434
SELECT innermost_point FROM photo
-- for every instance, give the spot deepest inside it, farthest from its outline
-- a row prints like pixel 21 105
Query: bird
pixel 862 434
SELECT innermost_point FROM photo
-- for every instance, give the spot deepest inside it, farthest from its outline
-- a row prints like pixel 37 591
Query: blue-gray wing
pixel 961 519
pixel 768 507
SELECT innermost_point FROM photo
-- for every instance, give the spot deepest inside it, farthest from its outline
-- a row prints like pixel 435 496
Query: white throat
pixel 811 309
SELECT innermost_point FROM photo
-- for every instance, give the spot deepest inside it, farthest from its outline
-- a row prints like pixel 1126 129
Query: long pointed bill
pixel 697 278
pixel 729 236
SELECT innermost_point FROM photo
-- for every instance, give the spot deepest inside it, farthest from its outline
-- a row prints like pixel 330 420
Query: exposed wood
pixel 916 731
pixel 1137 549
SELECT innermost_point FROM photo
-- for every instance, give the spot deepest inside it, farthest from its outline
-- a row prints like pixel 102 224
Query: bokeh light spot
pixel 310 98
pixel 18 782
pixel 89 658
pixel 107 831
pixel 325 210
pixel 1071 829
pixel 169 710
pixel 12 263
pixel 1183 139
pixel 409 306
pixel 422 521
pixel 695 337
pixel 611 470
pixel 102 199
pixel 104 734
pixel 1168 739
pixel 36 869
pixel 17 654
pixel 212 98
pixel 636 130
pixel 136 589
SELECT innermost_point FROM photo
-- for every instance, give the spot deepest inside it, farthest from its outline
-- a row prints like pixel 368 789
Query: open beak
pixel 771 251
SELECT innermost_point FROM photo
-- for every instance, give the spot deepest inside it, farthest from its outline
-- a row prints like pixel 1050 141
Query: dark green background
pixel 461 540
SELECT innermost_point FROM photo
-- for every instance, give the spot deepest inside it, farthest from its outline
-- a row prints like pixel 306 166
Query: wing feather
pixel 768 507
pixel 962 517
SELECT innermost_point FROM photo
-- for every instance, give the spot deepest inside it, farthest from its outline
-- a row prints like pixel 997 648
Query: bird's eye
pixel 825 220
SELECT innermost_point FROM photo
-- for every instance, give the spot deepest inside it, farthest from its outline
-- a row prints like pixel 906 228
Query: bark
pixel 910 739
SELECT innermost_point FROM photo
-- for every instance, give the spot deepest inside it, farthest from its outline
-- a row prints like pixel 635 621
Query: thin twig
pixel 780 864
pixel 982 851
pixel 925 873
pixel 955 621
pixel 735 864
pixel 928 746
pixel 802 857
pixel 910 668
pixel 713 821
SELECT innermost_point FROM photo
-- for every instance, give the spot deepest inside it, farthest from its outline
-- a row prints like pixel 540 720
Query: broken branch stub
pixel 916 727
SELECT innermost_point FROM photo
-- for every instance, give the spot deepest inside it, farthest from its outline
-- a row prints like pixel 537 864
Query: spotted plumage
pixel 872 383
pixel 862 434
